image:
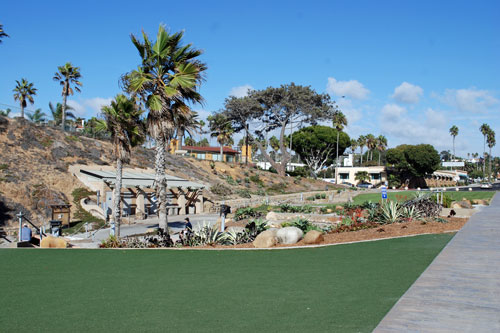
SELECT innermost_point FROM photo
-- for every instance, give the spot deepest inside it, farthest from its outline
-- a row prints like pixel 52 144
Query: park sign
pixel 384 192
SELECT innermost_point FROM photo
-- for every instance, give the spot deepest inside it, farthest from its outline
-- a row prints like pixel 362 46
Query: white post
pixel 20 217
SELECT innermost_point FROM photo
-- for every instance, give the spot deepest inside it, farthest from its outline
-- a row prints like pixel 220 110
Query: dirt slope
pixel 34 172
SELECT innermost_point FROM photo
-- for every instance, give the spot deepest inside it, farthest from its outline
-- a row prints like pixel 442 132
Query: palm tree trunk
pixel 63 113
pixel 115 224
pixel 22 110
pixel 161 183
pixel 453 147
pixel 246 143
pixel 379 153
pixel 337 160
pixel 361 160
pixel 489 167
pixel 221 152
pixel 484 156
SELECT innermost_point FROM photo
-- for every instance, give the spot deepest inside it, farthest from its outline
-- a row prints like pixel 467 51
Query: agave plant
pixel 391 212
pixel 410 213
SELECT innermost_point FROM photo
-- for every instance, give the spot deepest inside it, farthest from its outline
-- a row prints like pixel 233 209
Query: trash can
pixel 55 228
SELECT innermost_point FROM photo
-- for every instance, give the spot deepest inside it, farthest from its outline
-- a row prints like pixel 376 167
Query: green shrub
pixel 231 181
pixel 256 179
pixel 311 198
pixel 287 208
pixel 220 189
pixel 244 193
pixel 246 212
pixel 302 224
pixel 277 188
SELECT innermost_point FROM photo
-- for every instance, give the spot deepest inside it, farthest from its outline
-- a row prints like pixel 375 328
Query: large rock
pixel 461 204
pixel 313 237
pixel 271 216
pixel 54 242
pixel 289 235
pixel 266 239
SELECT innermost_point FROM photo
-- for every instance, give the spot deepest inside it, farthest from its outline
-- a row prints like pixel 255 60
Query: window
pixel 229 158
pixel 344 176
pixel 216 157
pixel 201 156
pixel 375 176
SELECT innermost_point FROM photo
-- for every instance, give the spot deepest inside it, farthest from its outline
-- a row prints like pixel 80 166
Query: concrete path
pixel 460 290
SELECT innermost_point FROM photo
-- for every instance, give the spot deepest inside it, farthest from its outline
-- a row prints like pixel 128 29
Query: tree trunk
pixel 222 152
pixel 246 143
pixel 22 110
pixel 337 160
pixel 161 183
pixel 379 153
pixel 115 224
pixel 484 156
pixel 454 148
pixel 63 114
pixel 361 157
pixel 489 167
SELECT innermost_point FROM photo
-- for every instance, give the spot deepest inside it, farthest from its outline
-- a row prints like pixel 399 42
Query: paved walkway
pixel 460 290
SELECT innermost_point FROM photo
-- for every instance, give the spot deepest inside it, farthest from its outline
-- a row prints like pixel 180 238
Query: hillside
pixel 34 174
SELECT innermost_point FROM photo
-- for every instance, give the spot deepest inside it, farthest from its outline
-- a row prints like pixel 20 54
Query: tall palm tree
pixel 371 144
pixel 381 146
pixel 122 120
pixel 24 92
pixel 67 76
pixel 2 33
pixel 37 117
pixel 339 122
pixel 187 123
pixel 354 146
pixel 485 129
pixel 491 143
pixel 167 80
pixel 221 128
pixel 57 113
pixel 454 133
pixel 361 144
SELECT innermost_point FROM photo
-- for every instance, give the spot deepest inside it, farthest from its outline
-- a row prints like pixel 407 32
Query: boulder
pixel 461 204
pixel 53 242
pixel 313 237
pixel 289 235
pixel 271 216
pixel 266 239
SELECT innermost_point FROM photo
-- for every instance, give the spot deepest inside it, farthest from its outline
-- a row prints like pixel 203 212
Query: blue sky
pixel 408 69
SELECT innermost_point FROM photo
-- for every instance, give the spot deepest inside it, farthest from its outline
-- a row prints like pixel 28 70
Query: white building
pixel 348 174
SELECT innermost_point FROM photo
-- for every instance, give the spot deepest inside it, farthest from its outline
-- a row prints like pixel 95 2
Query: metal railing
pixel 22 217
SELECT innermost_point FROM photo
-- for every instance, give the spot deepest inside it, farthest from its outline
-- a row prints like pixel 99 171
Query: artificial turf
pixel 343 288
pixel 405 195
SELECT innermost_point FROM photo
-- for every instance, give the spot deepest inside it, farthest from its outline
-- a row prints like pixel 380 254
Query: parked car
pixel 364 185
pixel 486 185
pixel 347 183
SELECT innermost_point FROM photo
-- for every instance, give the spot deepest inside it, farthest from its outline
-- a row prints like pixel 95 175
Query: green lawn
pixel 403 195
pixel 344 288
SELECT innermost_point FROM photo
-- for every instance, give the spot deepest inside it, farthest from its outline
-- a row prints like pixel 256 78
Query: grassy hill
pixel 34 163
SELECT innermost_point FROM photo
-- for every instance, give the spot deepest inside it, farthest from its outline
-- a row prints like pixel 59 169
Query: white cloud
pixel 352 113
pixel 469 100
pixel 428 127
pixel 392 111
pixel 89 107
pixel 408 93
pixel 351 88
pixel 240 91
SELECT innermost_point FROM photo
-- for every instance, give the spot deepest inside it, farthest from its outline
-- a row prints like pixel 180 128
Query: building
pixel 212 153
pixel 377 174
pixel 137 193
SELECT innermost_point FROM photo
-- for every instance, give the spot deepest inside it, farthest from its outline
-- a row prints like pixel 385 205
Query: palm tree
pixel 24 92
pixel 122 120
pixel 37 117
pixel 220 128
pixel 187 123
pixel 57 113
pixel 381 146
pixel 67 76
pixel 339 122
pixel 2 33
pixel 485 129
pixel 361 144
pixel 371 144
pixel 454 133
pixel 362 176
pixel 167 79
pixel 491 143
pixel 354 146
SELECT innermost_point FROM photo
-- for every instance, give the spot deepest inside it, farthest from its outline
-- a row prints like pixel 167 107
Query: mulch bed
pixel 384 231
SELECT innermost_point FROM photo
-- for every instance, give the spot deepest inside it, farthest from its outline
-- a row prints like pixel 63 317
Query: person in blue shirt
pixel 189 226
pixel 25 233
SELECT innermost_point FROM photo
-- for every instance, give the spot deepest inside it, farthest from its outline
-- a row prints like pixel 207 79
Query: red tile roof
pixel 226 150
